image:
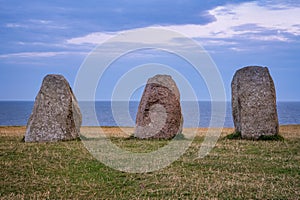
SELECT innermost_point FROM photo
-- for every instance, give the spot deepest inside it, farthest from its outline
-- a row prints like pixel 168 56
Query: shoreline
pixel 291 130
pixel 8 126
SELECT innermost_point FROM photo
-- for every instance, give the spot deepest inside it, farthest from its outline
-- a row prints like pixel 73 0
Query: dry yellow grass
pixel 287 131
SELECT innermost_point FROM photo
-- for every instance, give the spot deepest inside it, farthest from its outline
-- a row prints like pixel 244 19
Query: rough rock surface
pixel 159 113
pixel 56 115
pixel 254 103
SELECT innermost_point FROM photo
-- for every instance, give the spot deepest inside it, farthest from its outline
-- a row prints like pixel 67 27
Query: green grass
pixel 234 169
pixel 234 136
pixel 271 137
pixel 238 136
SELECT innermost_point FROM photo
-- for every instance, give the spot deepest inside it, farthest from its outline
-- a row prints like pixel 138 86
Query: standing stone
pixel 254 103
pixel 56 115
pixel 159 112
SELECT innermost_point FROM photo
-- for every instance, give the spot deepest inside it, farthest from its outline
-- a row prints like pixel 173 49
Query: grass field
pixel 234 169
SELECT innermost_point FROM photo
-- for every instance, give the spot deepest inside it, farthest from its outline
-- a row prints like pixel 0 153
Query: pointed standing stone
pixel 159 113
pixel 254 103
pixel 56 115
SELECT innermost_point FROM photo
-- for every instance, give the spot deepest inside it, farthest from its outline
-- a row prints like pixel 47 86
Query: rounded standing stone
pixel 159 113
pixel 254 103
pixel 56 115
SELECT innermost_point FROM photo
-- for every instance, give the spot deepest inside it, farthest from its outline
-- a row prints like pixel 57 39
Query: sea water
pixel 106 113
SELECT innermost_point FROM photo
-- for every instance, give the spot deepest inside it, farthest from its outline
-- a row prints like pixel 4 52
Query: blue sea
pixel 16 113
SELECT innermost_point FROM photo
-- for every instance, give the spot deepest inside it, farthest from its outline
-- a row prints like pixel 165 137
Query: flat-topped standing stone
pixel 56 115
pixel 254 103
pixel 159 113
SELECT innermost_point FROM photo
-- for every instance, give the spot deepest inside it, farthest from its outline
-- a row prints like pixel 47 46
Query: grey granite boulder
pixel 159 113
pixel 254 103
pixel 56 115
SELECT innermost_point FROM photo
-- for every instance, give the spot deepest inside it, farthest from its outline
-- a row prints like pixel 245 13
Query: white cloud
pixel 281 20
pixel 249 21
pixel 40 54
pixel 36 23
pixel 40 21
pixel 15 25
pixel 93 38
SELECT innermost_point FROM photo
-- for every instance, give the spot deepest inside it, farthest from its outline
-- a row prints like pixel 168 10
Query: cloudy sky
pixel 46 37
